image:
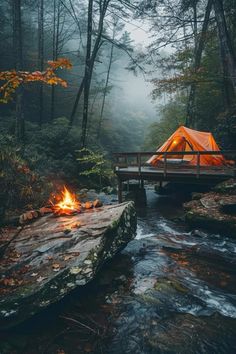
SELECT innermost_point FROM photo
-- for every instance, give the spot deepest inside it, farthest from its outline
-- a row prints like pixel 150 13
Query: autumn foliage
pixel 13 79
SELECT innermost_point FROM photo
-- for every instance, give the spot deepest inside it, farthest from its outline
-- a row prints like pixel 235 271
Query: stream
pixel 171 290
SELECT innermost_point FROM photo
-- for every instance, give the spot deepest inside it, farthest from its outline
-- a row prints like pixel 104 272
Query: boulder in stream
pixel 214 211
pixel 54 255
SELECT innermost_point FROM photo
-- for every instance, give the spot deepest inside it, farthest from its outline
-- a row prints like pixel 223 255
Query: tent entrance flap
pixel 185 139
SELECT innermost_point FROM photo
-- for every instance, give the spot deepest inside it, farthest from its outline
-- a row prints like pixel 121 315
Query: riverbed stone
pixel 44 264
pixel 228 186
pixel 214 211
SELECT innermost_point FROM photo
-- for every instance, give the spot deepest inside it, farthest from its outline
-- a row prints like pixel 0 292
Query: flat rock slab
pixel 54 255
pixel 213 211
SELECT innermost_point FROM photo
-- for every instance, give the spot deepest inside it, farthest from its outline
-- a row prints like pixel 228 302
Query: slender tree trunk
pixel 228 57
pixel 18 55
pixel 191 110
pixel 97 45
pixel 41 55
pixel 55 49
pixel 53 58
pixel 195 27
pixel 91 111
pixel 87 73
pixel 77 99
pixel 105 88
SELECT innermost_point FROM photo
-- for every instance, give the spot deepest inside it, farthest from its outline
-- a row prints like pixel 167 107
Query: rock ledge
pixel 214 211
pixel 54 255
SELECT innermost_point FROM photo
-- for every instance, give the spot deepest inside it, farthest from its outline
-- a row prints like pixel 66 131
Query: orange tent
pixel 185 139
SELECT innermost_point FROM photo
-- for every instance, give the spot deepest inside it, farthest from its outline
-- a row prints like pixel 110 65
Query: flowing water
pixel 171 290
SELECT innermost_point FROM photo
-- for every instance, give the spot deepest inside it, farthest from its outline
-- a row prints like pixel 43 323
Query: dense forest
pixel 63 109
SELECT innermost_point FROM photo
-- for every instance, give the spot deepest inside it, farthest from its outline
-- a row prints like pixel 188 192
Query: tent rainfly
pixel 185 139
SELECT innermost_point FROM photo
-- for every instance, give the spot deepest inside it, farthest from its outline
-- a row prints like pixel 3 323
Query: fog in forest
pixel 108 76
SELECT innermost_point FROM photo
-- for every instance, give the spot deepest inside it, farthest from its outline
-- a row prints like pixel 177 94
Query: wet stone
pixel 60 258
pixel 214 211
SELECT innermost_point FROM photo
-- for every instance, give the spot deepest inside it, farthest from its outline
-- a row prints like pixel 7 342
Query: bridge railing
pixel 139 159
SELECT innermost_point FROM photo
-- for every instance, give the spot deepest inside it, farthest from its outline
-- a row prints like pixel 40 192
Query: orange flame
pixel 67 205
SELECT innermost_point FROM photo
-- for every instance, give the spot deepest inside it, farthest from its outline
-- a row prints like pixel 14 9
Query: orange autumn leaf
pixel 56 266
pixel 13 79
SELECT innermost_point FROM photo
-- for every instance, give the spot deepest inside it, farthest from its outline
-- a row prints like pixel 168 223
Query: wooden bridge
pixel 133 166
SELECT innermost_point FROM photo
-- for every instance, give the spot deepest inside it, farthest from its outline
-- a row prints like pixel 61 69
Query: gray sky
pixel 139 32
pixel 137 88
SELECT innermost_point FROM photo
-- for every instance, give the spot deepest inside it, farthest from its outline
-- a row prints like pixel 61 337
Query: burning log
pixel 88 205
pixel 68 204
pixel 60 205
pixel 97 203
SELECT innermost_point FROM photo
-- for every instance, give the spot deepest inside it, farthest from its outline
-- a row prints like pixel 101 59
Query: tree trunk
pixel 18 56
pixel 106 86
pixel 87 73
pixel 97 45
pixel 91 112
pixel 41 54
pixel 195 29
pixel 55 45
pixel 53 58
pixel 228 57
pixel 191 110
pixel 77 99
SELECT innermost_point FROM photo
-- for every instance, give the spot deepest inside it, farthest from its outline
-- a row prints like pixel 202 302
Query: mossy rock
pixel 50 264
pixel 168 285
pixel 228 186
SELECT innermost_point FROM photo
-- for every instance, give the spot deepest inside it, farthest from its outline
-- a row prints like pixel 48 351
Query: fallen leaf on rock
pixel 66 258
pixel 9 282
pixel 34 274
pixel 41 279
pixel 14 256
pixel 56 266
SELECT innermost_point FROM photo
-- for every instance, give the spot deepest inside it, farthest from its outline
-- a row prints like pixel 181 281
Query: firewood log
pixel 97 203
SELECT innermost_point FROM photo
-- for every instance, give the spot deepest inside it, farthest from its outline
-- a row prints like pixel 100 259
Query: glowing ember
pixel 67 205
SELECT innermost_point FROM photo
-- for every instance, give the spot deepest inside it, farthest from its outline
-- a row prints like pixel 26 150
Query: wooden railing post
pixel 198 164
pixel 139 163
pixel 116 162
pixel 120 187
pixel 165 164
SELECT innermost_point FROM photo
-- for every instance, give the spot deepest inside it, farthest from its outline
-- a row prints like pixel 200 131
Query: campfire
pixel 64 203
pixel 68 204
